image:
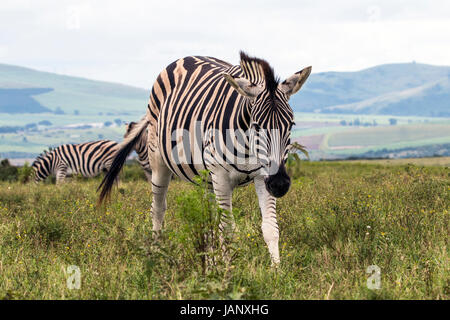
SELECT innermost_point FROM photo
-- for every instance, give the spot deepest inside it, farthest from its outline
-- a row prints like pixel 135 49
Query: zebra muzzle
pixel 278 184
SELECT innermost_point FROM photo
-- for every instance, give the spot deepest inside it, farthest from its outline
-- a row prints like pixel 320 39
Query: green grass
pixel 337 220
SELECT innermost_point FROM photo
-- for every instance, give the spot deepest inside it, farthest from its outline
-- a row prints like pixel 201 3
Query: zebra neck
pixel 244 114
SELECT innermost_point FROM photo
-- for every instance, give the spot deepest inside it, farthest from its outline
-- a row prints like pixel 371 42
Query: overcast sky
pixel 132 41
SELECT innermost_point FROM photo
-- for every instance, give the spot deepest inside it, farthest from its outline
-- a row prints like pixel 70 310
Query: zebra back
pixel 87 159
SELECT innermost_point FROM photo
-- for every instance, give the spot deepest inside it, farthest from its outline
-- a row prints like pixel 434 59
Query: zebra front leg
pixel 269 226
pixel 160 183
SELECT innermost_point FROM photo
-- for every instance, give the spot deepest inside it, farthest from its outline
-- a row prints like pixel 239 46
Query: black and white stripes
pixel 88 159
pixel 234 121
pixel 141 150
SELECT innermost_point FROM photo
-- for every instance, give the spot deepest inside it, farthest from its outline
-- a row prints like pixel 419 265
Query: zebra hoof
pixel 275 263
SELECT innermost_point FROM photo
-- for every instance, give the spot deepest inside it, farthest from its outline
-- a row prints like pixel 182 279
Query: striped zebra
pixel 235 121
pixel 141 150
pixel 88 159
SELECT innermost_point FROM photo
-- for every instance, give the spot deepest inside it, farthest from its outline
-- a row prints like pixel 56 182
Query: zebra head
pixel 128 127
pixel 271 117
pixel 43 166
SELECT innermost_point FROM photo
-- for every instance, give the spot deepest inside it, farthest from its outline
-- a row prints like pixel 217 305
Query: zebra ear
pixel 130 125
pixel 292 84
pixel 244 86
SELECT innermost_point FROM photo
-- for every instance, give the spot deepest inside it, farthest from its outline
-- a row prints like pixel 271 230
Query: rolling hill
pixel 24 90
pixel 432 99
pixel 338 113
pixel 407 89
pixel 22 100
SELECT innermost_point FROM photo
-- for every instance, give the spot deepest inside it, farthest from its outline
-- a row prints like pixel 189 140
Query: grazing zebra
pixel 87 159
pixel 234 121
pixel 141 150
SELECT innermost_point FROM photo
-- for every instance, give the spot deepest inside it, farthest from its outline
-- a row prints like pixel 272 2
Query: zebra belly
pixel 186 163
pixel 238 172
pixel 243 175
pixel 185 169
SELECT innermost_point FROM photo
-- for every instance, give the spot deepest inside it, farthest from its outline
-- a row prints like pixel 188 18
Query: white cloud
pixel 131 41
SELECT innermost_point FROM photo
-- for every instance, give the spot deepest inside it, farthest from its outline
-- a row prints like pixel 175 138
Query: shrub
pixel 25 173
pixel 7 171
pixel 200 217
pixel 132 172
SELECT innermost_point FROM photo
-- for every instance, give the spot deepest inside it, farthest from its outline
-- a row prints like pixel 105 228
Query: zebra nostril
pixel 278 184
pixel 278 187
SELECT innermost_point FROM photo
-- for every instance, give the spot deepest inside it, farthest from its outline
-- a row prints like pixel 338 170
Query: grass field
pixel 338 219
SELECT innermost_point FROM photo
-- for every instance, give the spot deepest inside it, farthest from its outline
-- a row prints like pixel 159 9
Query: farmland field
pixel 36 142
pixel 433 161
pixel 325 135
pixel 365 137
pixel 329 136
pixel 338 219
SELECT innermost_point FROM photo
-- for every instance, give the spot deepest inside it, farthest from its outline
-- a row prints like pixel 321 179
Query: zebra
pixel 141 150
pixel 88 159
pixel 213 102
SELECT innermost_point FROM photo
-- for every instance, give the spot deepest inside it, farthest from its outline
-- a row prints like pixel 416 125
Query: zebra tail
pixel 123 151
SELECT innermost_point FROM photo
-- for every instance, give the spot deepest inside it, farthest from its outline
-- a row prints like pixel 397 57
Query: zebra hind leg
pixel 224 192
pixel 161 177
pixel 61 175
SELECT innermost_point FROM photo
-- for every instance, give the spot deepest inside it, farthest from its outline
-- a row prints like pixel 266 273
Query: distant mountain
pixel 407 89
pixel 26 90
pixel 431 99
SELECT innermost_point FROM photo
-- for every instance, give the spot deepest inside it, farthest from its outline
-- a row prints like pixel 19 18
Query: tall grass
pixel 336 221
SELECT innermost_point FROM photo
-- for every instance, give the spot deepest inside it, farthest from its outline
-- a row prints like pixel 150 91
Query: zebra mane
pixel 42 155
pixel 259 71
